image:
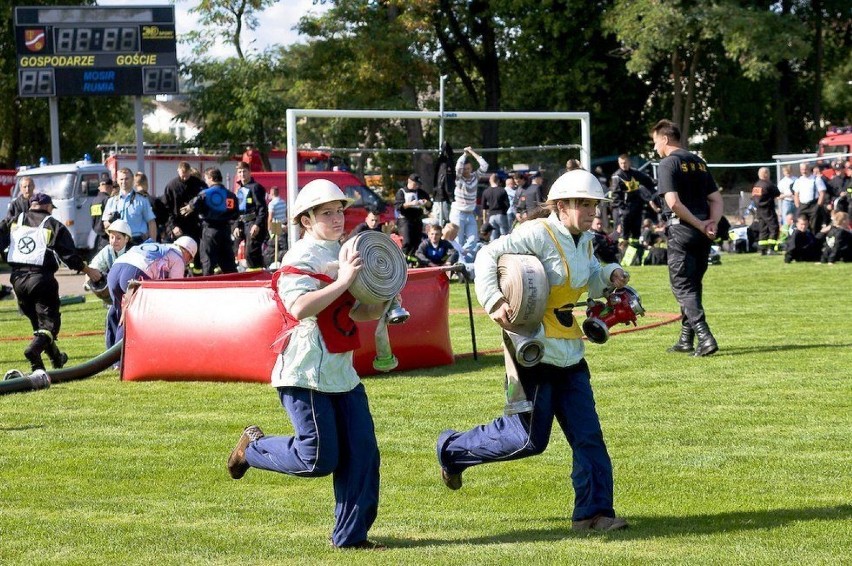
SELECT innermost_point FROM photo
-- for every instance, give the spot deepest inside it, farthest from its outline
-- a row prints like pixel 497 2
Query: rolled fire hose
pixel 380 280
pixel 523 282
pixel 42 379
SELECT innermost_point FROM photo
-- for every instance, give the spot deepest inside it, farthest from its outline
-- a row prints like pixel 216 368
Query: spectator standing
pixel 842 185
pixel 22 202
pixel 37 241
pixel 445 182
pixel 140 185
pixel 533 197
pixel 692 208
pixel 765 193
pixel 217 208
pixel 176 195
pixel 133 208
pixel 411 203
pixel 96 210
pixel 463 209
pixel 495 207
pixel 252 227
pixel 316 382
pixel 631 191
pixel 511 189
pixel 809 196
pixel 785 187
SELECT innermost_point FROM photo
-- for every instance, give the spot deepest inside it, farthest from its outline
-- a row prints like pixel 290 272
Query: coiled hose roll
pixel 384 271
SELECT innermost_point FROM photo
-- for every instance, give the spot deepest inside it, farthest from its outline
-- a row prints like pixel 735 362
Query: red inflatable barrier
pixel 220 328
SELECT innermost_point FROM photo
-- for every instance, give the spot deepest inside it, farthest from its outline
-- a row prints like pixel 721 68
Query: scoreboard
pixel 96 50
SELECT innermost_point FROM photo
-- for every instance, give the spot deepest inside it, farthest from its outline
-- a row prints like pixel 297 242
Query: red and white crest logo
pixel 34 39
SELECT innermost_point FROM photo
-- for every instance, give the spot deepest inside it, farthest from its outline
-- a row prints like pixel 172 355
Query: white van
pixel 72 188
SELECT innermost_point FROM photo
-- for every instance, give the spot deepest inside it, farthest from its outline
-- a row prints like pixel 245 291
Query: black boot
pixel 57 359
pixel 684 343
pixel 706 343
pixel 33 351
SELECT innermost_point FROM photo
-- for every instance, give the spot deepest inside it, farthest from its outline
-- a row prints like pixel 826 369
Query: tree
pixel 688 38
pixel 224 19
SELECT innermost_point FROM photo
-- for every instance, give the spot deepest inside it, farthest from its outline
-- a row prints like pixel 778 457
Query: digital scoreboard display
pixel 99 50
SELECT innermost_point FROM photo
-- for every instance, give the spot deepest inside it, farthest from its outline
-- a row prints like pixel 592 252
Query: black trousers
pixel 688 255
pixel 412 234
pixel 38 299
pixel 217 250
pixel 768 228
pixel 631 222
pixel 254 247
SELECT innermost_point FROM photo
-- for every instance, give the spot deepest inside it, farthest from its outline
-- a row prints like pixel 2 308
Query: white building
pixel 164 119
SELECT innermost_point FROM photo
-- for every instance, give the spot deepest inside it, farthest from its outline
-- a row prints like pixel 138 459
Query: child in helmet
pixel 316 381
pixel 559 386
pixel 119 234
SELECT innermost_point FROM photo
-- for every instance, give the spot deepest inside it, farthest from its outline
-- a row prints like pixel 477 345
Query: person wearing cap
pixel 411 204
pixel 559 386
pixel 37 242
pixel 119 240
pixel 96 209
pixel 148 260
pixel 316 382
pixel 217 207
pixel 692 209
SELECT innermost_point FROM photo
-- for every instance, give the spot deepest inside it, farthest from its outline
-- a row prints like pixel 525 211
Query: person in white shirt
pixel 463 209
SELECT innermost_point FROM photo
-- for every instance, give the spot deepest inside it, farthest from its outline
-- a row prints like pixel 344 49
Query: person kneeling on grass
pixel 316 381
pixel 559 386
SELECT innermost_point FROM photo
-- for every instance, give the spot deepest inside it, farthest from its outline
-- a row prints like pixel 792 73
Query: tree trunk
pixel 686 126
pixel 816 91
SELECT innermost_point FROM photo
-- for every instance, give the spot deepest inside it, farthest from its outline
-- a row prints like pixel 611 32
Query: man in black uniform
pixel 177 194
pixel 765 192
pixel 251 225
pixel 411 203
pixel 97 211
pixel 631 191
pixel 217 207
pixel 22 203
pixel 35 240
pixel 693 207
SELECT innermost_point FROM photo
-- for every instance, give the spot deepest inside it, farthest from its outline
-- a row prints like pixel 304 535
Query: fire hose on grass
pixel 380 280
pixel 16 382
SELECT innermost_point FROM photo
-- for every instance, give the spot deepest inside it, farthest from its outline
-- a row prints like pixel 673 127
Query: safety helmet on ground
pixel 316 193
pixel 188 244
pixel 579 184
pixel 120 226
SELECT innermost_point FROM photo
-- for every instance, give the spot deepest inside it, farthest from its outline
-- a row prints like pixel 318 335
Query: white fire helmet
pixel 315 193
pixel 120 226
pixel 188 244
pixel 579 184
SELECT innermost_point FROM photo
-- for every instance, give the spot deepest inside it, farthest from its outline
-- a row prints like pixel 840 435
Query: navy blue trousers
pixel 118 279
pixel 334 434
pixel 564 393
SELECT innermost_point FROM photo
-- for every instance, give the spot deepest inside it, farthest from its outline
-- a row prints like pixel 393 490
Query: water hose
pixel 524 285
pixel 42 379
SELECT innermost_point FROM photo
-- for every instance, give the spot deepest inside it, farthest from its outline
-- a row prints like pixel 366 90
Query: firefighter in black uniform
pixel 97 211
pixel 176 195
pixel 36 239
pixel 217 207
pixel 693 207
pixel 764 193
pixel 631 191
pixel 251 224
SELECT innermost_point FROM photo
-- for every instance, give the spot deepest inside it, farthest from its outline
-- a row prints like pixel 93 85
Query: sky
pixel 276 24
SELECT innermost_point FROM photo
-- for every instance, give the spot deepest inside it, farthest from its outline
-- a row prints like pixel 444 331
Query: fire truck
pixel 7 183
pixel 837 144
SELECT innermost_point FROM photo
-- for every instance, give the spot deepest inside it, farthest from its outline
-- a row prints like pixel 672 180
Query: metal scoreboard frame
pixel 96 50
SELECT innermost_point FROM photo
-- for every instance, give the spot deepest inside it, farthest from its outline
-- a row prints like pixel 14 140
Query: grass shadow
pixel 651 527
pixel 20 428
pixel 724 351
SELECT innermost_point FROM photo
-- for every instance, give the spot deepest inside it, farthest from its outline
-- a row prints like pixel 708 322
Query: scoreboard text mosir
pixel 102 50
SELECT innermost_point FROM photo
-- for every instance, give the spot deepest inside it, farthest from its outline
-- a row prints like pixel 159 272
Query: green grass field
pixel 740 458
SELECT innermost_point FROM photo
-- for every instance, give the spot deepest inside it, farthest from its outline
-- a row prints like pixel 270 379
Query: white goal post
pixel 293 115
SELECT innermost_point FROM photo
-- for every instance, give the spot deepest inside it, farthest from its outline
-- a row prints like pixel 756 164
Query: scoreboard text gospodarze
pixel 101 50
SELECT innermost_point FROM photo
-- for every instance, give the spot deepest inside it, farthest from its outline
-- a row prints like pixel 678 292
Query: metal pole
pixel 53 105
pixel 292 176
pixel 441 122
pixel 470 313
pixel 586 140
pixel 140 134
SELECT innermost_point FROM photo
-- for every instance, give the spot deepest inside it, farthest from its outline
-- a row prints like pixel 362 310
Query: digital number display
pixel 159 80
pixel 36 82
pixel 96 39
pixel 96 50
